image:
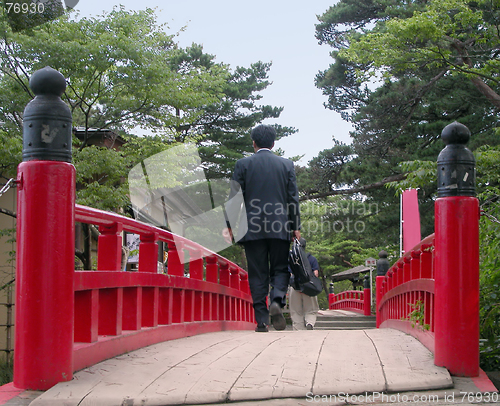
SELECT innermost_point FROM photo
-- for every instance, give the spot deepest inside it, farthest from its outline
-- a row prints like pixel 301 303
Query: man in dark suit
pixel 271 200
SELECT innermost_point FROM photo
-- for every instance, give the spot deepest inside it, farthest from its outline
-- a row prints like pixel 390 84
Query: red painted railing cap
pixel 151 237
pixel 416 254
pixel 114 228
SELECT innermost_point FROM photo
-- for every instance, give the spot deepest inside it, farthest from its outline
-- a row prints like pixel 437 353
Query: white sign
pixel 371 262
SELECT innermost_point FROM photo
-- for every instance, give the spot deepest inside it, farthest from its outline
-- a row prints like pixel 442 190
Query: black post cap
pixel 47 81
pixel 47 120
pixel 383 264
pixel 366 282
pixel 456 164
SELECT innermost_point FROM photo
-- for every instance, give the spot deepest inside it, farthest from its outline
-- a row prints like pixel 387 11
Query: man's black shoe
pixel 261 328
pixel 277 319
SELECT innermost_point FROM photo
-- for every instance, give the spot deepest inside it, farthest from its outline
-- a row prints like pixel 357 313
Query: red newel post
pixel 367 308
pixel 331 295
pixel 382 268
pixel 457 257
pixel 45 239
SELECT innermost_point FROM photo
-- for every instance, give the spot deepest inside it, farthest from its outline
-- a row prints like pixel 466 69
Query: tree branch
pixel 376 185
pixel 480 85
pixel 8 212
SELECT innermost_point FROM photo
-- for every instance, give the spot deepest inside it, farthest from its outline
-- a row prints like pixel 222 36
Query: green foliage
pixel 419 174
pixel 338 233
pixel 488 171
pixel 222 128
pixel 126 74
pixel 10 153
pixel 489 351
pixel 6 370
pixel 417 315
pixel 401 72
pixel 10 235
pixel 433 38
pixel 99 173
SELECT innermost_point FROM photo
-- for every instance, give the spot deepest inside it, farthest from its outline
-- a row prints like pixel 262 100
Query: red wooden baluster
pixel 224 281
pixel 148 253
pixel 244 286
pixel 212 269
pixel 150 306
pixel 86 315
pixel 175 263
pixel 132 308
pixel 109 248
pixel 110 311
pixel 235 278
pixel 379 285
pixel 426 261
pixel 195 264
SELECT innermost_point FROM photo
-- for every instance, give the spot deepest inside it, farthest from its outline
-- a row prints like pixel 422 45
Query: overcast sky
pixel 240 33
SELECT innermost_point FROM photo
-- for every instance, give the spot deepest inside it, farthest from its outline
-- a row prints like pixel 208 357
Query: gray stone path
pixel 242 366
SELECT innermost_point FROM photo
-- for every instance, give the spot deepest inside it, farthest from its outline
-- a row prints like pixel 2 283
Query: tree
pixel 453 37
pixel 124 73
pixel 395 76
pixel 338 231
pixel 431 39
pixel 117 78
pixel 222 129
pixel 116 70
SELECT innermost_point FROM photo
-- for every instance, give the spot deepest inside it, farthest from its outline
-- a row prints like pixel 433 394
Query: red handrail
pixel 352 300
pixel 119 311
pixel 405 295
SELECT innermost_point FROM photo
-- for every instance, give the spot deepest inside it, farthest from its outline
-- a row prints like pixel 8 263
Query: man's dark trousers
pixel 267 264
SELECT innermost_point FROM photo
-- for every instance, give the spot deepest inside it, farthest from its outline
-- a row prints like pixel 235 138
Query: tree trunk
pixel 487 91
pixel 484 89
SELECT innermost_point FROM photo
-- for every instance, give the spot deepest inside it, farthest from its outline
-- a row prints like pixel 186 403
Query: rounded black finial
pixel 47 81
pixel 366 282
pixel 382 263
pixel 455 133
pixel 456 164
pixel 47 120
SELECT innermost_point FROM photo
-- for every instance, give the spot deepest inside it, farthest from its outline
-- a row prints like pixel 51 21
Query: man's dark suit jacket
pixel 270 195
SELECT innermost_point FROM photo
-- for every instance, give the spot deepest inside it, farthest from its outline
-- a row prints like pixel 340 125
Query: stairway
pixel 344 322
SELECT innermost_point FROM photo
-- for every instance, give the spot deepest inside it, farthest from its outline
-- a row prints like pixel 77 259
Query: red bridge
pixel 194 334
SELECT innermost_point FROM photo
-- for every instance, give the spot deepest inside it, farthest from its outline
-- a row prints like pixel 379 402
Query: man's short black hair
pixel 264 136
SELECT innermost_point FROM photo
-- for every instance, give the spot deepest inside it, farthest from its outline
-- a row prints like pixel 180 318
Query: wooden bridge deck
pixel 244 365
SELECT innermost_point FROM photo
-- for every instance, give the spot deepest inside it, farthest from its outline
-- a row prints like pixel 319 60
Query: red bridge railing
pixel 112 311
pixel 353 300
pixel 405 295
pixel 119 311
pixel 67 320
pixel 432 292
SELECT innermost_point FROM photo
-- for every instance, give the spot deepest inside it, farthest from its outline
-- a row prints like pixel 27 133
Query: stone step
pixel 346 318
pixel 344 328
pixel 345 322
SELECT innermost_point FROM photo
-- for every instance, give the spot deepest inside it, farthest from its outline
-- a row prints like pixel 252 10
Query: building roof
pixel 350 273
pixel 102 137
